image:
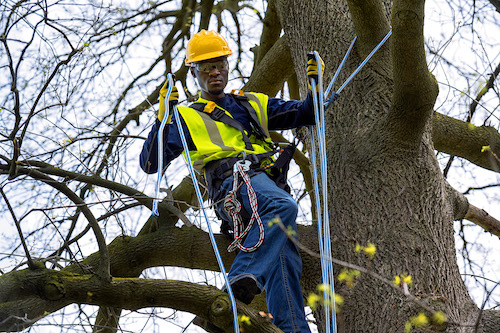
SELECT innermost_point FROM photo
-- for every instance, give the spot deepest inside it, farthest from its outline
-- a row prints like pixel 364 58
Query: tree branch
pixel 129 256
pixel 483 219
pixel 274 69
pixel 31 264
pixel 206 7
pixel 60 289
pixel 462 209
pixel 484 90
pixel 459 138
pixel 103 270
pixel 93 180
pixel 271 30
pixel 370 24
pixel 44 88
pixel 415 89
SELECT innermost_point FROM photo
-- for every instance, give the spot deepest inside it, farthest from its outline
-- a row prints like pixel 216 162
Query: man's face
pixel 212 76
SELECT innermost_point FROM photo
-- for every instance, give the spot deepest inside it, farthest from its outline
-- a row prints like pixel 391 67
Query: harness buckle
pixel 217 113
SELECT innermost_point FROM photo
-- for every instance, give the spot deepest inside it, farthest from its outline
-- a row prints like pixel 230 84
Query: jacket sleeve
pixel 172 146
pixel 290 114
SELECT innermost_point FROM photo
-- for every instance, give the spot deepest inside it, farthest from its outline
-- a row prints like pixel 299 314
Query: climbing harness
pixel 216 113
pixel 233 207
pixel 197 190
pixel 323 214
pixel 217 171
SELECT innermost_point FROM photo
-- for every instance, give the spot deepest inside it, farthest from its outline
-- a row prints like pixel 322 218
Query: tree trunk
pixel 383 189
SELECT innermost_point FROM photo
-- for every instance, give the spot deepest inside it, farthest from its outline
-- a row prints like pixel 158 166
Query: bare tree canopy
pixel 413 148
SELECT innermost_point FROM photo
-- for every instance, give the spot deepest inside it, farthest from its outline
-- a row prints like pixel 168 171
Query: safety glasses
pixel 206 67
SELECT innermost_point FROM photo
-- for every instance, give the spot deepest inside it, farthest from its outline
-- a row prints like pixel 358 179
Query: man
pixel 219 127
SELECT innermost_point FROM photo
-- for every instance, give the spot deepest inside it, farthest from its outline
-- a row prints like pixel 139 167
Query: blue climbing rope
pixel 198 193
pixel 163 123
pixel 342 63
pixel 324 177
pixel 323 214
pixel 368 57
pixel 321 238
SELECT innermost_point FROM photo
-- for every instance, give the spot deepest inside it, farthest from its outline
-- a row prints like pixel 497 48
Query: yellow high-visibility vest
pixel 216 140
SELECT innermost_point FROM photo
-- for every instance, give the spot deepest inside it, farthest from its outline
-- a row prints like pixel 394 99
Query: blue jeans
pixel 276 264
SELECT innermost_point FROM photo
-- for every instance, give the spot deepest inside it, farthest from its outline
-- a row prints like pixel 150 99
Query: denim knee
pixel 287 210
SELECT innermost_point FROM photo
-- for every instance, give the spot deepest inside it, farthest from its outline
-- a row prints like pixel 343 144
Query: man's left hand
pixel 313 70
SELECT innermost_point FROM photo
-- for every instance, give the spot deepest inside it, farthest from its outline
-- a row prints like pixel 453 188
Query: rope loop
pixel 233 207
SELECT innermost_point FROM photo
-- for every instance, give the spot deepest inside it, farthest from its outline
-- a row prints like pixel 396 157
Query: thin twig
pixel 104 265
pixel 31 264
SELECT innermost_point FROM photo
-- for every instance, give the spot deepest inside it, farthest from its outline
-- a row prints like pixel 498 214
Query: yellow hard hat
pixel 206 45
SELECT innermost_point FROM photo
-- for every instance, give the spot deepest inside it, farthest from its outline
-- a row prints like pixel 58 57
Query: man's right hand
pixel 172 100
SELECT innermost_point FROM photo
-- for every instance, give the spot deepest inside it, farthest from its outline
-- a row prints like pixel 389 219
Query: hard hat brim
pixel 207 56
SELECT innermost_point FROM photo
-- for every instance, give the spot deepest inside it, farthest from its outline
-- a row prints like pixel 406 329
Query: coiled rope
pixel 233 207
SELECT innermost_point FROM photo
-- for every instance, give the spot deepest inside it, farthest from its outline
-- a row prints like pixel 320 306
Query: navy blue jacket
pixel 281 115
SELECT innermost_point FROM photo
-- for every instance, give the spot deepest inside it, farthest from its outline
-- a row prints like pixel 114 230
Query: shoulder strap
pixel 219 114
pixel 243 101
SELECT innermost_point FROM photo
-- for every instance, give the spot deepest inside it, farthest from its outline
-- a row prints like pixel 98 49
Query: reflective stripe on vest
pixel 215 140
pixel 257 104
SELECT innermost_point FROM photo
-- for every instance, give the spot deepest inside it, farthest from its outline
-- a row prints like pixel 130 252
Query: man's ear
pixel 191 69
